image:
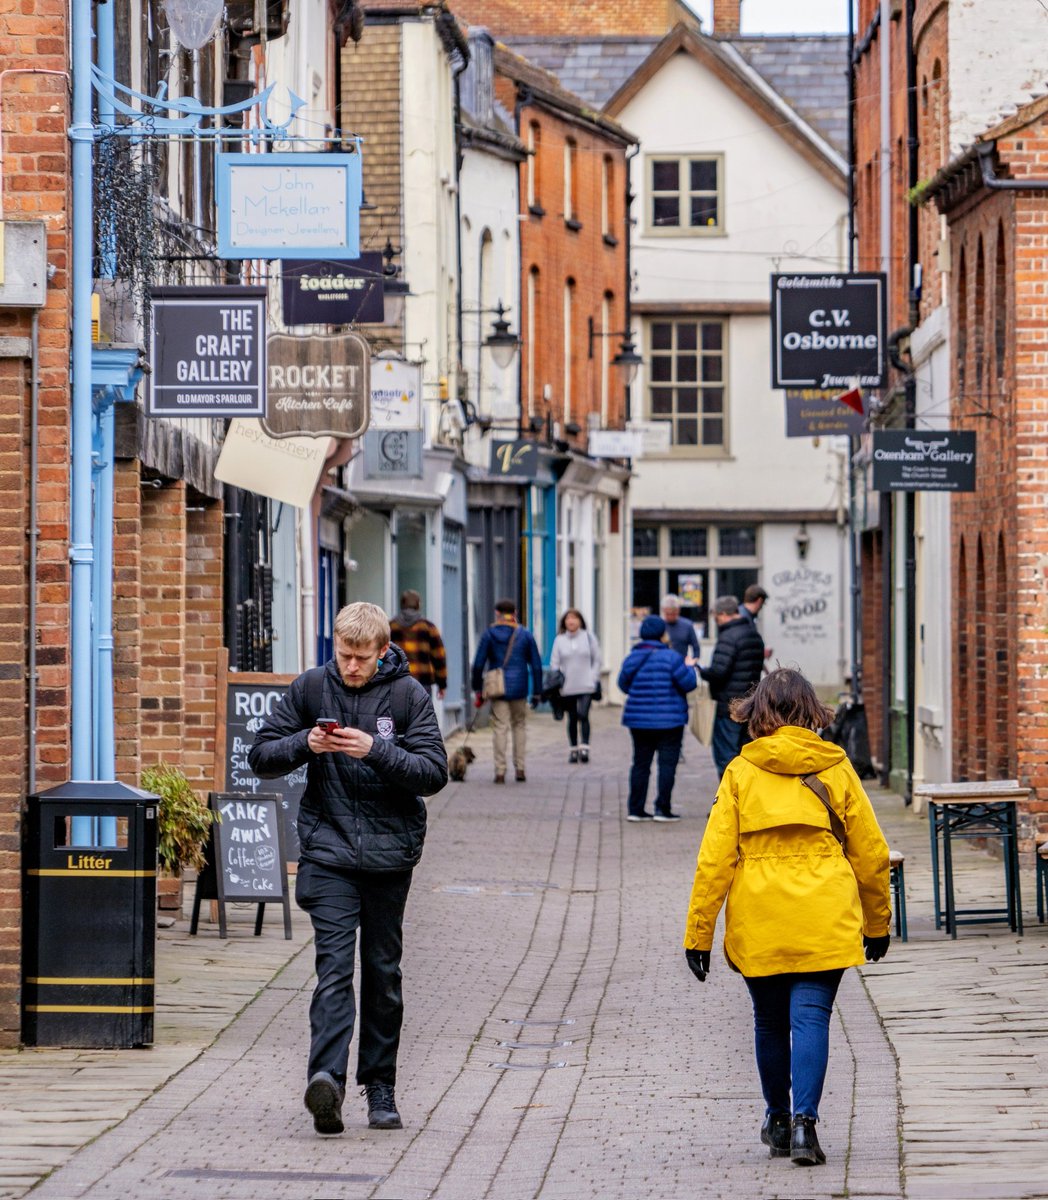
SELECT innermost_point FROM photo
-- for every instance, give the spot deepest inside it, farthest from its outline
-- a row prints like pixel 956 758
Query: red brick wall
pixel 203 636
pixel 930 33
pixel 163 623
pixel 127 627
pixel 549 18
pixel 561 253
pixel 34 117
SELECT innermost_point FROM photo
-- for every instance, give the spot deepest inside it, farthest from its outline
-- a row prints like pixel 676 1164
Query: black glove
pixel 876 948
pixel 535 701
pixel 699 963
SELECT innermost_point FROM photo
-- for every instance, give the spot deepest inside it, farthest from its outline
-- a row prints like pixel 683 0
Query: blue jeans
pixel 646 744
pixel 791 1028
pixel 726 741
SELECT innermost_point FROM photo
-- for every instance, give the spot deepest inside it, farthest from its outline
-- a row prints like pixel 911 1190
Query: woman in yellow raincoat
pixel 806 880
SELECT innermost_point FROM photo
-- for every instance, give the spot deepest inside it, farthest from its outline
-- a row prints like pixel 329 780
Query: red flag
pixel 853 398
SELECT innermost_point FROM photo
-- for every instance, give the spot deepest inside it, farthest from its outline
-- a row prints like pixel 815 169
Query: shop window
pixel 645 541
pixel 688 542
pixel 737 541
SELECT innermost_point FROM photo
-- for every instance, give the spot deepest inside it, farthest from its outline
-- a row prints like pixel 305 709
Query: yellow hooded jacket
pixel 796 902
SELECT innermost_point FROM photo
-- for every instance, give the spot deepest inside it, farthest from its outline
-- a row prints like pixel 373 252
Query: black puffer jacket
pixel 361 813
pixel 737 663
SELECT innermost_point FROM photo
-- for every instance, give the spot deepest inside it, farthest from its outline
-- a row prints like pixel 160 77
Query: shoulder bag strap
pixel 509 646
pixel 815 784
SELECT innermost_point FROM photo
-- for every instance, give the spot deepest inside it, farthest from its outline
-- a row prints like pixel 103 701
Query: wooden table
pixel 979 809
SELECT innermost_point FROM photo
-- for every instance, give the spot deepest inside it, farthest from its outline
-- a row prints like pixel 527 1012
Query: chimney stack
pixel 726 20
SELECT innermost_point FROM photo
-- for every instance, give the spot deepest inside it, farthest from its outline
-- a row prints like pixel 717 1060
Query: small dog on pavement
pixel 458 761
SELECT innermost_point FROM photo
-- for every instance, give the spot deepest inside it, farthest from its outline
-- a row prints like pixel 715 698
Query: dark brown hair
pixel 562 628
pixel 783 697
pixel 508 608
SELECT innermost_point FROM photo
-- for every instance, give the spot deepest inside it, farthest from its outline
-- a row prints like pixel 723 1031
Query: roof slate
pixel 808 71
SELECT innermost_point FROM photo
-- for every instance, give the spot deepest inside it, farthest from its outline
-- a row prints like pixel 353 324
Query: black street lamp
pixel 627 362
pixel 502 343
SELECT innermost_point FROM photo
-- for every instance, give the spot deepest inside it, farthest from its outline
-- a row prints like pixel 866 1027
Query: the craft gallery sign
pixel 908 460
pixel 208 352
pixel 828 331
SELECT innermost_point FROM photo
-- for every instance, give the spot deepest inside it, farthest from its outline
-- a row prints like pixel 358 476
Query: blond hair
pixel 362 624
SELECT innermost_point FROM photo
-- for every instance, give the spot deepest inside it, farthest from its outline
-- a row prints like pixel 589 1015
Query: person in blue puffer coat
pixel 656 681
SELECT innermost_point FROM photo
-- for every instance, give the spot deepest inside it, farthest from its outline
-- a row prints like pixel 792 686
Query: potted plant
pixel 183 828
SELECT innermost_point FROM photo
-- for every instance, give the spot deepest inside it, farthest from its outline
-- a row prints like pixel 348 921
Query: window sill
pixel 685 231
pixel 572 224
pixel 536 210
pixel 610 240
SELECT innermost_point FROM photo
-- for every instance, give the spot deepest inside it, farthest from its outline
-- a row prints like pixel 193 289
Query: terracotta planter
pixel 169 892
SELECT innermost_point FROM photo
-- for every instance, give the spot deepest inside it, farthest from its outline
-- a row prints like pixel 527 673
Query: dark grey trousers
pixel 339 903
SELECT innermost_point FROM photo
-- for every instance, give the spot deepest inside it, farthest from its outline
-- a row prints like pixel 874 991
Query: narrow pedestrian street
pixel 556 1046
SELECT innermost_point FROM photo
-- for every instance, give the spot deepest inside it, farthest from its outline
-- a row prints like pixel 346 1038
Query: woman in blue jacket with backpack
pixel 656 681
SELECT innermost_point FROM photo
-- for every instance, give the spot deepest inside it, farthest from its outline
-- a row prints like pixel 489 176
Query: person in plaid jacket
pixel 420 641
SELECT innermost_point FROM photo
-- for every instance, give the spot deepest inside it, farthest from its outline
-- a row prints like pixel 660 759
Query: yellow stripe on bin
pixel 87 1008
pixel 107 874
pixel 95 981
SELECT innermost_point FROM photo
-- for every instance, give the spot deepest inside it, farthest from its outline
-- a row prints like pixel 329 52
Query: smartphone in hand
pixel 327 724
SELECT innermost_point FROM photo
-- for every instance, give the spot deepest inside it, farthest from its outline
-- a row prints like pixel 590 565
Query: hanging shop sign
pixel 615 443
pixel 828 331
pixel 393 454
pixel 810 413
pixel 288 205
pixel 284 469
pixel 332 291
pixel 519 459
pixel 207 350
pixel 317 386
pixel 396 394
pixel 910 460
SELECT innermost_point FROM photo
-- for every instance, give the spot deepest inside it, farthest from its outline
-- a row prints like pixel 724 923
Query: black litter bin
pixel 89 916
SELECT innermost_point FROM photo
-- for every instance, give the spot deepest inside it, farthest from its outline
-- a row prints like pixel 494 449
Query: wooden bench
pixel 897 876
pixel 974 809
pixel 1042 878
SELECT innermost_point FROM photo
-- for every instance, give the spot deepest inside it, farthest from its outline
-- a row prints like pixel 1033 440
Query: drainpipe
pixel 913 252
pixel 34 537
pixel 81 548
pixel 854 574
pixel 102 583
pixel 992 181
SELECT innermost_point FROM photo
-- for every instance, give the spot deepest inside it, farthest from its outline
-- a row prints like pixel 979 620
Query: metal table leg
pixel 933 833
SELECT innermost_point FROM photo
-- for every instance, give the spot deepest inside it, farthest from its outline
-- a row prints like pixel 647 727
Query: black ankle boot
pixel 775 1134
pixel 805 1150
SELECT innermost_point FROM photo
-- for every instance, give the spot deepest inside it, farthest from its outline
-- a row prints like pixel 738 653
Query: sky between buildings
pixel 784 16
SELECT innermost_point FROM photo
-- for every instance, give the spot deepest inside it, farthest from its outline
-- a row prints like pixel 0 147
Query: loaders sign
pixel 828 331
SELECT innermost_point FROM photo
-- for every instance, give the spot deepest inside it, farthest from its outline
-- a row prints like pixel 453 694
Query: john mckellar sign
pixel 828 331
pixel 317 386
pixel 207 352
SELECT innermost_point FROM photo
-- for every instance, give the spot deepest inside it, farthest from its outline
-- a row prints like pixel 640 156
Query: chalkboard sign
pixel 249 700
pixel 245 857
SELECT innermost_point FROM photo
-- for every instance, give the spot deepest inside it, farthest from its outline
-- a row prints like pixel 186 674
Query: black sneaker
pixel 573 757
pixel 382 1107
pixel 323 1098
pixel 641 816
pixel 667 816
pixel 584 754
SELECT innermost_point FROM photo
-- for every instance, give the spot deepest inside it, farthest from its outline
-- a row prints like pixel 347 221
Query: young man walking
pixel 421 641
pixel 369 738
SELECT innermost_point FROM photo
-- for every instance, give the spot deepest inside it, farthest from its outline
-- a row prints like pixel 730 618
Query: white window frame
pixel 684 194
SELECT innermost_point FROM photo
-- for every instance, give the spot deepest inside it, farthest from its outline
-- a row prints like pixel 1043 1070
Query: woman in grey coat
pixel 576 654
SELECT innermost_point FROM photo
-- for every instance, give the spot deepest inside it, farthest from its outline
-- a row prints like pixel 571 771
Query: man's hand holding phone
pixel 329 737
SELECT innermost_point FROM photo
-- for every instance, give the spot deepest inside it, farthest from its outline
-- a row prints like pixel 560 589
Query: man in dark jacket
pixel 421 642
pixel 361 824
pixel 738 660
pixel 511 647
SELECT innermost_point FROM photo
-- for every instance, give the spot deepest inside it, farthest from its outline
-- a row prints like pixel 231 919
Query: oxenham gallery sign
pixel 288 205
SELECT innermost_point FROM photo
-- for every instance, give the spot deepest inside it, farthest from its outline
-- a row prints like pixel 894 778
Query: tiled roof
pixel 593 68
pixel 808 72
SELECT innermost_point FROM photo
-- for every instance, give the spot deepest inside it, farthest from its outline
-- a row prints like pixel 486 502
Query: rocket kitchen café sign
pixel 908 460
pixel 208 352
pixel 317 386
pixel 827 331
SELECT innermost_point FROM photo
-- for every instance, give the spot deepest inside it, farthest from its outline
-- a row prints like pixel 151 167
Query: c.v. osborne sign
pixel 828 330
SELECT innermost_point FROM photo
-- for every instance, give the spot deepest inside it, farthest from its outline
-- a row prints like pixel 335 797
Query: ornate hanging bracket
pixel 145 119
